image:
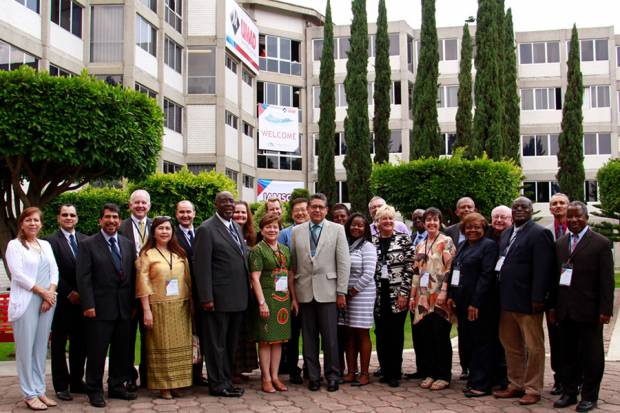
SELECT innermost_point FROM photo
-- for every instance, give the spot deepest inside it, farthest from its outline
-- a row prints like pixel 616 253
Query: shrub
pixel 608 178
pixel 441 182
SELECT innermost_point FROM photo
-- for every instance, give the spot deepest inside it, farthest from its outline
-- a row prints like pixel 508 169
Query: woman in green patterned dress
pixel 273 284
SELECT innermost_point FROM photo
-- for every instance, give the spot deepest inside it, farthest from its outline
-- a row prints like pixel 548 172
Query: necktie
pixel 73 244
pixel 190 236
pixel 315 233
pixel 233 233
pixel 142 233
pixel 116 254
pixel 560 231
pixel 573 244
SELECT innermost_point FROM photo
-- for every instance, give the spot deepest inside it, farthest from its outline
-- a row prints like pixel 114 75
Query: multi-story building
pixel 176 52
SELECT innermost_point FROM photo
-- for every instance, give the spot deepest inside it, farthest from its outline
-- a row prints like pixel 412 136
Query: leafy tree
pixel 464 136
pixel 425 137
pixel 608 177
pixel 383 83
pixel 488 116
pixel 59 133
pixel 571 175
pixel 327 121
pixel 510 91
pixel 357 160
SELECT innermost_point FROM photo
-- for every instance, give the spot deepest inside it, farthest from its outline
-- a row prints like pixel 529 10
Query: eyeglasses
pixel 66 214
pixel 317 207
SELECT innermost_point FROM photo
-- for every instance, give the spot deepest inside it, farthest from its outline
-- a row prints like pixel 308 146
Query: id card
pixel 424 280
pixel 281 283
pixel 384 272
pixel 500 263
pixel 566 276
pixel 172 288
pixel 456 278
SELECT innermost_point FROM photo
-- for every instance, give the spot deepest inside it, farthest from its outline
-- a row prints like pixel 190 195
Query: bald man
pixel 464 207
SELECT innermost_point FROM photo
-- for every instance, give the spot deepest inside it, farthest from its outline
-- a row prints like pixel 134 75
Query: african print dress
pixel 274 267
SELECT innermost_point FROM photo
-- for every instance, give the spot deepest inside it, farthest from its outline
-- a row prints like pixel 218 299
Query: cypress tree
pixel 512 111
pixel 327 121
pixel 487 129
pixel 425 137
pixel 357 160
pixel 571 175
pixel 463 113
pixel 383 83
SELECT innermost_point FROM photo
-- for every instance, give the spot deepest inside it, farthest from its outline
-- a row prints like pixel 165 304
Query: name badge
pixel 281 283
pixel 384 272
pixel 500 263
pixel 566 276
pixel 456 278
pixel 424 280
pixel 172 288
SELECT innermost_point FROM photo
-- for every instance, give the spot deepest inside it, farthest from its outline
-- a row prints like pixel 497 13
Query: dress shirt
pixel 136 232
pixel 579 236
pixel 186 233
pixel 67 234
pixel 418 237
pixel 107 241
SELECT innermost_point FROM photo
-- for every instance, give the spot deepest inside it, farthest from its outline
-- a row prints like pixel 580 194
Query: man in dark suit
pixel 585 294
pixel 185 232
pixel 221 273
pixel 525 268
pixel 136 228
pixel 68 320
pixel 106 284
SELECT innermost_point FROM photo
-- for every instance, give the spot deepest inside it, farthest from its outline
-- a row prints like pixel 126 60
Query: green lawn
pixel 617 279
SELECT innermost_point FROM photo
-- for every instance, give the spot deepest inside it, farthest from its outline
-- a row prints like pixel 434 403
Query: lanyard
pixel 513 238
pixel 167 262
pixel 316 240
pixel 139 233
pixel 430 249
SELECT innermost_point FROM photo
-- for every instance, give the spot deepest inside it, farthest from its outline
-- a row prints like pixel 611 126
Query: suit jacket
pixel 220 266
pixel 551 227
pixel 528 267
pixel 189 253
pixel 327 273
pixel 591 291
pixel 126 229
pixel 454 232
pixel 101 287
pixel 66 262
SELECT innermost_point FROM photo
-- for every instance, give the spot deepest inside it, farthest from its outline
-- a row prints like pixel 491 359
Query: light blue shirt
pixel 107 240
pixel 579 236
pixel 285 236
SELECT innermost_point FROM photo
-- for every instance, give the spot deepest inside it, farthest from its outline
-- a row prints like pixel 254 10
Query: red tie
pixel 574 243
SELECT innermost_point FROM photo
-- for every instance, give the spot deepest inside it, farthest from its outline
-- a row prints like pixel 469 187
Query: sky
pixel 527 14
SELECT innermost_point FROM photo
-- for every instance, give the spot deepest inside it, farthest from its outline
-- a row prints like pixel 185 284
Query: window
pixel 372 45
pixel 541 99
pixel 246 77
pixel 146 35
pixel 106 34
pixel 197 168
pixel 279 160
pixel 448 49
pixel 173 54
pixel 143 89
pixel 597 143
pixel 173 114
pixel 591 191
pixel 31 4
pixel 278 94
pixel 540 191
pixel 618 56
pixel 593 50
pixel 448 143
pixel 171 167
pixel 542 52
pixel 340 146
pixel 341 47
pixel 232 175
pixel 248 129
pixel 341 96
pixel 395 98
pixel 317 49
pixel 68 15
pixel 248 181
pixel 280 55
pixel 596 97
pixel 58 71
pixel 396 141
pixel 447 96
pixel 394 44
pixel 316 96
pixel 112 80
pixel 231 120
pixel 231 64
pixel 151 4
pixel 539 145
pixel 174 14
pixel 342 191
pixel 201 71
pixel 11 58
pixel 410 53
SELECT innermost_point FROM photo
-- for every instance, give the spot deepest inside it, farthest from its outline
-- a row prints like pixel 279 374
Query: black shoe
pixel 565 401
pixel 314 385
pixel 295 379
pixel 131 386
pixel 332 385
pixel 466 389
pixel 393 383
pixel 200 381
pixel 96 400
pixel 79 388
pixel 237 390
pixel 64 395
pixel 225 393
pixel 415 376
pixel 557 389
pixel 122 394
pixel 476 393
pixel 585 406
pixel 464 375
pixel 378 373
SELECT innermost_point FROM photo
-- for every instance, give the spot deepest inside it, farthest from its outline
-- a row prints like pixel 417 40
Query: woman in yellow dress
pixel 163 285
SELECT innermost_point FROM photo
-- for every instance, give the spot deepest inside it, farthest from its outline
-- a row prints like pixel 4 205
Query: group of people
pixel 211 295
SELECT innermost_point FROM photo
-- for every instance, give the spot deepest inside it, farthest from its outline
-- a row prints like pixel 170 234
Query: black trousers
pixel 479 339
pixel 418 349
pixel 390 339
pixel 289 363
pixel 320 319
pixel 101 335
pixel 68 324
pixel 435 333
pixel 220 335
pixel 583 358
pixel 465 340
pixel 137 321
pixel 553 331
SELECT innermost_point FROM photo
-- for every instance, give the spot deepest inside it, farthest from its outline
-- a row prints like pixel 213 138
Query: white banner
pixel 278 128
pixel 267 189
pixel 241 35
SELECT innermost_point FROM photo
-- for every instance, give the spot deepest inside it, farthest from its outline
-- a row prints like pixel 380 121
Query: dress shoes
pixel 415 376
pixel 476 393
pixel 79 388
pixel 295 379
pixel 529 399
pixel 585 406
pixel 239 390
pixel 200 381
pixel 508 394
pixel 393 383
pixel 332 385
pixel 122 394
pixel 131 386
pixel 314 385
pixel 230 392
pixel 64 395
pixel 565 401
pixel 557 389
pixel 96 400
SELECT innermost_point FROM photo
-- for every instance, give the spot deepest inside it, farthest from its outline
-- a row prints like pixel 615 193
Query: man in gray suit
pixel 321 263
pixel 222 282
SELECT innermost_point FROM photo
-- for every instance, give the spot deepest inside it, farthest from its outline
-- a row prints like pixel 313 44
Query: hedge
pixel 608 178
pixel 440 182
